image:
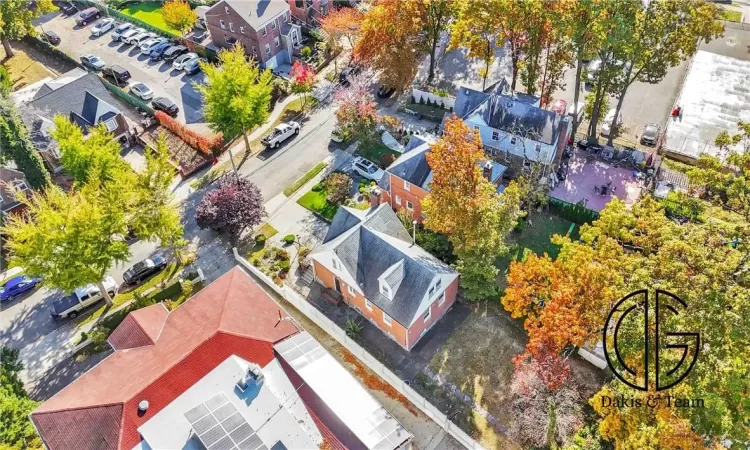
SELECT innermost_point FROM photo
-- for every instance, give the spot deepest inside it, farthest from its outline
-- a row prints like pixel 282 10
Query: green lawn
pixel 316 201
pixel 731 15
pixel 151 14
pixel 267 230
pixel 375 151
pixel 305 178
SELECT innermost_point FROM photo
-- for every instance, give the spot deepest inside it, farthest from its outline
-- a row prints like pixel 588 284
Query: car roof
pixel 139 85
pixel 117 68
pixel 164 100
pixel 50 33
pixel 15 281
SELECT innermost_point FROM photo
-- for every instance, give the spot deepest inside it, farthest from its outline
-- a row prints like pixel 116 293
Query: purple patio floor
pixel 584 175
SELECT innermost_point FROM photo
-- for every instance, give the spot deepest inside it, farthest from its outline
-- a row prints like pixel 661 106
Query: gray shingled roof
pixel 412 165
pixel 467 100
pixel 378 242
pixel 255 12
pixel 72 100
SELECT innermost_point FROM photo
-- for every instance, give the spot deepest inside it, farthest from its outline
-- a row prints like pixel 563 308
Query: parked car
pixel 131 39
pixel 51 37
pixel 92 62
pixel 17 286
pixel 71 305
pixel 127 35
pixel 367 169
pixel 650 134
pixel 179 63
pixel 576 110
pixel 120 30
pixel 166 105
pixel 559 106
pixel 103 26
pixel 140 39
pixel 347 73
pixel 67 8
pixel 193 66
pixel 150 44
pixel 385 92
pixel 117 73
pixel 142 91
pixel 281 133
pixel 144 269
pixel 607 122
pixel 173 52
pixel 158 50
pixel 87 16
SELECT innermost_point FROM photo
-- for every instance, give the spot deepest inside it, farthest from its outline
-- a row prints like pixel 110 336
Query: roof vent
pixel 142 406
pixel 251 377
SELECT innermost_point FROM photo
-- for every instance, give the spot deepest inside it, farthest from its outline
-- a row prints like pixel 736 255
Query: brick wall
pixel 250 39
pixel 400 196
pixel 436 313
pixel 396 331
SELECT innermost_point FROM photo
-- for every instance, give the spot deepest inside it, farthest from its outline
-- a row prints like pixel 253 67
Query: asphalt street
pixel 77 41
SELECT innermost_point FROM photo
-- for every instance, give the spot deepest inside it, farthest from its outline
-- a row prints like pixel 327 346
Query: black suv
pixel 67 8
pixel 173 52
pixel 117 73
pixel 166 105
pixel 87 16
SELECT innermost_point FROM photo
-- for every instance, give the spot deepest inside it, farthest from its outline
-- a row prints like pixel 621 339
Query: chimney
pixel 374 197
pixel 487 171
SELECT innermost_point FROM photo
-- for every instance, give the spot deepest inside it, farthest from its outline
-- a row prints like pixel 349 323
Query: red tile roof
pixel 140 327
pixel 232 315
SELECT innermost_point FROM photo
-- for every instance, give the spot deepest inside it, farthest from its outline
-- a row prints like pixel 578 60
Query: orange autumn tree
pixel 342 23
pixel 465 206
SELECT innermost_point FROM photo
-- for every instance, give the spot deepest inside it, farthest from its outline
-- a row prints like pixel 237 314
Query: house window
pixel 255 52
pixel 221 24
pixel 242 30
pixel 350 290
pixel 226 9
pixel 387 319
pixel 368 305
pixel 513 140
pixel 276 41
pixel 273 24
pixel 20 185
pixel 294 37
pixel 398 200
pixel 409 205
pixel 431 291
pixel 111 125
pixel 495 135
pixel 386 290
pixel 426 316
pixel 438 283
pixel 268 49
pixel 441 300
pixel 407 185
pixel 231 27
pixel 265 32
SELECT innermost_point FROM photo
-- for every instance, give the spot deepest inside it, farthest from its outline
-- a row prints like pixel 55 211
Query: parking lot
pixel 644 103
pixel 158 75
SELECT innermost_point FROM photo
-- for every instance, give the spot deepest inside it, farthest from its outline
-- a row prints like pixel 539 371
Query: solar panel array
pixel 220 426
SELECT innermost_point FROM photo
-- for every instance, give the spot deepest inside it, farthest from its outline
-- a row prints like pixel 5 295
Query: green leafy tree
pixel 6 84
pixel 70 239
pixel 157 216
pixel 96 155
pixel 437 17
pixel 237 94
pixel 664 33
pixel 17 146
pixel 16 430
pixel 16 17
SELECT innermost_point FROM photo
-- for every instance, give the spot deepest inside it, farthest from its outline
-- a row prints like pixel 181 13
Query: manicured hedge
pixel 574 212
pixel 208 145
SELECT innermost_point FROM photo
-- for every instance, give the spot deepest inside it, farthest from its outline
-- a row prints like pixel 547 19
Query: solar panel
pixel 219 426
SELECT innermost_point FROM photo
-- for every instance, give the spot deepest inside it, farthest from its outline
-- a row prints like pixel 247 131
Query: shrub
pixel 99 336
pixel 260 239
pixel 5 82
pixel 278 281
pixel 353 328
pixel 386 160
pixel 140 300
pixel 289 239
pixel 209 146
pixel 186 287
pixel 318 187
pixel 284 266
pixel 305 52
pixel 303 252
pixel 282 255
pixel 362 189
pixel 255 262
pixel 338 186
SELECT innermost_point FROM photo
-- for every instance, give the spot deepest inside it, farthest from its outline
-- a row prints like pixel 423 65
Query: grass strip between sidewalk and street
pixel 305 178
pixel 731 15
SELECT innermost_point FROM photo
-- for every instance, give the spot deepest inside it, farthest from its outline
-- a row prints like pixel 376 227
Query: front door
pixel 338 285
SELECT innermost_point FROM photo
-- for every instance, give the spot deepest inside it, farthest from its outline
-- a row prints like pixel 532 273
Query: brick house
pixel 227 369
pixel 309 11
pixel 371 260
pixel 407 180
pixel 264 28
pixel 514 129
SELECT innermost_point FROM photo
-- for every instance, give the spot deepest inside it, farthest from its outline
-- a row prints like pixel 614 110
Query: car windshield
pixel 372 169
pixel 94 59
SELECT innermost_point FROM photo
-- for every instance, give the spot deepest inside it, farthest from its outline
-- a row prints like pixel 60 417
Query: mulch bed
pixel 187 159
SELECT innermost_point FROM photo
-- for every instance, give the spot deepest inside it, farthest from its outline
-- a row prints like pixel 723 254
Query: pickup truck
pixel 281 133
pixel 71 305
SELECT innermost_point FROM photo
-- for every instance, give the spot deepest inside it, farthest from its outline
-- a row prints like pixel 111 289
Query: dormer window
pixel 386 290
pixel 390 280
pixel 433 288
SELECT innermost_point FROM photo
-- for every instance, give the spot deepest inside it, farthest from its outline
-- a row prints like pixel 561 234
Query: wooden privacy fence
pixel 376 366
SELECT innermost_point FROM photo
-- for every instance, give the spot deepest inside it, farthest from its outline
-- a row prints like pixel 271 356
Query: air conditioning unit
pixel 253 376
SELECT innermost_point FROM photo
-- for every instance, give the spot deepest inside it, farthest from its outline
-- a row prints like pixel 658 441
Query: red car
pixel 559 106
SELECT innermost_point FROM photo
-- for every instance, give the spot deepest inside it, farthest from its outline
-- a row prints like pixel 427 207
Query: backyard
pixel 375 152
pixel 317 201
pixel 149 13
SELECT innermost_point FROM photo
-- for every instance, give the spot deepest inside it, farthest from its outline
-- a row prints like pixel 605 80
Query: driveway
pixel 77 41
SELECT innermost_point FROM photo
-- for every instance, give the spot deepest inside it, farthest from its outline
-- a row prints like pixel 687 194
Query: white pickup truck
pixel 71 305
pixel 281 133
